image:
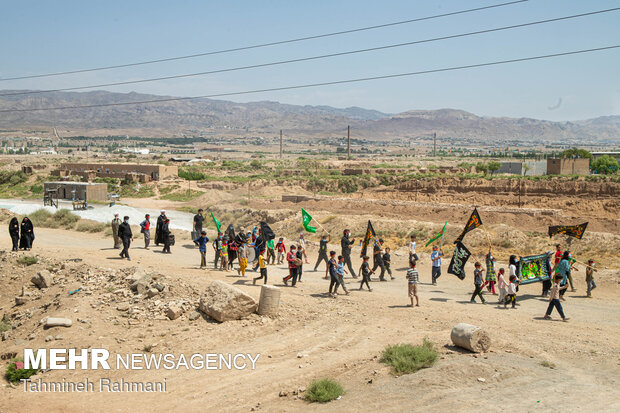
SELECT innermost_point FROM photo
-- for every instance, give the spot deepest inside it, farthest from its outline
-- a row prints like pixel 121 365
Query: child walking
pixel 201 242
pixel 554 299
pixel 365 272
pixel 477 284
pixel 224 256
pixel 263 268
pixel 502 285
pixel 281 249
pixel 243 259
pixel 386 262
pixel 412 283
pixel 340 271
pixel 511 297
pixel 490 275
pixel 590 277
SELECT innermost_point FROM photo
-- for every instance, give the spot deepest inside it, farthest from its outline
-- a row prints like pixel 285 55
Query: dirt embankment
pixel 549 188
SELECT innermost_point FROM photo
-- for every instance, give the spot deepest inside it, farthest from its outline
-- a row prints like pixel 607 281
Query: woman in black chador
pixel 14 232
pixel 27 234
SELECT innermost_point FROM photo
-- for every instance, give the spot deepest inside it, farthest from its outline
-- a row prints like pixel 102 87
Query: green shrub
pixel 4 325
pixel 406 358
pixel 323 391
pixel 36 189
pixel 27 260
pixel 14 376
pixel 39 217
pixel 605 165
pixel 85 226
pixel 63 218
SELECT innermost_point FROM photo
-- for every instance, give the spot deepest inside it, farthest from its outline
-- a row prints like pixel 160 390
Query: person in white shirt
pixel 436 266
pixel 412 254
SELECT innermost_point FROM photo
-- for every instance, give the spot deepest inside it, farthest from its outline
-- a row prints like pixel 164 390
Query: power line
pixel 305 59
pixel 336 82
pixel 236 49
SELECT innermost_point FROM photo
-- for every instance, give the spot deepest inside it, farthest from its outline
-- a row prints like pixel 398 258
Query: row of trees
pixel 602 165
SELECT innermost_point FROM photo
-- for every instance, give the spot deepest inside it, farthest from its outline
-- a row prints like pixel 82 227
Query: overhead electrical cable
pixel 236 49
pixel 305 59
pixel 336 82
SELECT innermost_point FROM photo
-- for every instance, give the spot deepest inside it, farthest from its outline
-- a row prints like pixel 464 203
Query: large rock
pixel 43 279
pixel 57 322
pixel 470 337
pixel 224 302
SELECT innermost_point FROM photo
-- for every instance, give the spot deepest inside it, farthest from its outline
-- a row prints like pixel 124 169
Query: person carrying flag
pixel 345 244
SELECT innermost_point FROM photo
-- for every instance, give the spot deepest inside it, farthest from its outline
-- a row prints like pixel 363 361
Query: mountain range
pixel 187 117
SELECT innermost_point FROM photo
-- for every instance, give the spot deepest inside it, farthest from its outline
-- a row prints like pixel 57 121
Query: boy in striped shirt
pixel 413 281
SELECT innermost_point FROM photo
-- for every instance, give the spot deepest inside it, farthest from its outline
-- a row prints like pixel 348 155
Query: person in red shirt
pixel 291 257
pixel 281 248
pixel 146 230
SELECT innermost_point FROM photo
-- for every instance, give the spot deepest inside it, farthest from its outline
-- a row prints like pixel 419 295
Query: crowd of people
pixel 252 249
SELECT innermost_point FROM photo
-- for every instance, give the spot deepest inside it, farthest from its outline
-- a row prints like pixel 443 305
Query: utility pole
pixel 348 142
pixel 280 143
pixel 434 144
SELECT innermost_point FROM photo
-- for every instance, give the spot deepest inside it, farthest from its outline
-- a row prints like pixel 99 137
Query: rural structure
pixel 131 172
pixel 566 166
pixel 83 191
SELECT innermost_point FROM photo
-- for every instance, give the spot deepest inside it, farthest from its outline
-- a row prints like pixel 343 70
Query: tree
pixel 576 153
pixel 482 167
pixel 493 166
pixel 605 165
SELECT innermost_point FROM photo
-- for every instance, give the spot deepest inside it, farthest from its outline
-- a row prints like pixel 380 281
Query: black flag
pixel 473 223
pixel 457 263
pixel 265 232
pixel 370 234
pixel 571 230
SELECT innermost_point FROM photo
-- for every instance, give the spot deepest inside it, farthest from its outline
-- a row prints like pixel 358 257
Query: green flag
pixel 306 219
pixel 216 222
pixel 436 237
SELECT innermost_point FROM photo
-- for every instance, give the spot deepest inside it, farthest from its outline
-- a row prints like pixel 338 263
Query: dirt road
pixel 315 336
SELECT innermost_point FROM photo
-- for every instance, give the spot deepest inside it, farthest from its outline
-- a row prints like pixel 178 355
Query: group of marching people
pixel 252 247
pixel 123 236
pixel 553 288
pixel 22 236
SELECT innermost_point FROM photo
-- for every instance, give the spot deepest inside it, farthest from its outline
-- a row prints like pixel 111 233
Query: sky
pixel 49 36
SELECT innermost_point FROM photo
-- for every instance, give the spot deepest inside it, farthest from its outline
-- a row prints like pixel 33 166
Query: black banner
pixel 570 230
pixel 266 232
pixel 459 258
pixel 473 223
pixel 370 234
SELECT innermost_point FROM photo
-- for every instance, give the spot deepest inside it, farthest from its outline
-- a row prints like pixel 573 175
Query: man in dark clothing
pixel 322 251
pixel 300 257
pixel 217 247
pixel 159 239
pixel 345 244
pixel 378 259
pixel 165 231
pixel 198 220
pixel 124 233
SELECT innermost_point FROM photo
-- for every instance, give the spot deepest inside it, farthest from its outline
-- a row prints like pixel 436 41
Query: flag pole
pixel 488 237
pixel 444 233
pixel 314 219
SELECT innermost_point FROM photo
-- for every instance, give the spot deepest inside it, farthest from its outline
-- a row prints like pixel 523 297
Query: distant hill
pixel 194 116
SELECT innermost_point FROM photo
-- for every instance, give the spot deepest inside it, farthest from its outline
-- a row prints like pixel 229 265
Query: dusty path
pixel 343 339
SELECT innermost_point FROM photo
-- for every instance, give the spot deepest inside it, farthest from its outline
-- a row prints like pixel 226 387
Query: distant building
pixel 133 172
pixel 596 155
pixel 514 168
pixel 534 168
pixel 568 166
pixel 82 191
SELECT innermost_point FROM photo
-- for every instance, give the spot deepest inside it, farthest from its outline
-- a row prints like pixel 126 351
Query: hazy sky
pixel 47 36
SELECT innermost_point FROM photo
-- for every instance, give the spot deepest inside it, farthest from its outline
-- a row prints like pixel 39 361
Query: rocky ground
pixel 149 305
